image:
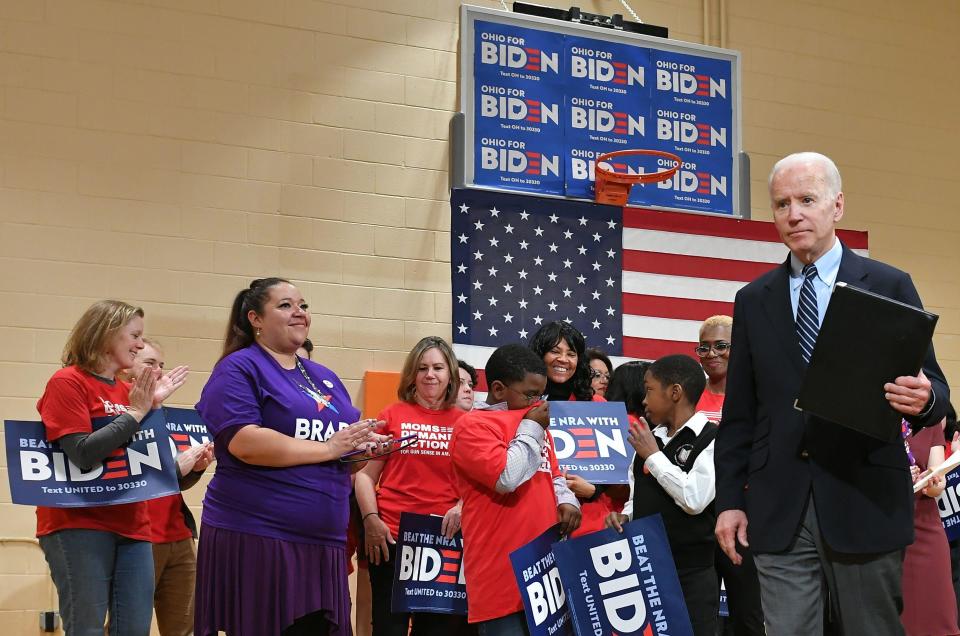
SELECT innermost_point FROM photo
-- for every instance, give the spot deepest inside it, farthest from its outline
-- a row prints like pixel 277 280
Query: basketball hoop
pixel 613 188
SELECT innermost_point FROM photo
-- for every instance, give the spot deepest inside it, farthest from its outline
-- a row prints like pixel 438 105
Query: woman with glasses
pixel 563 349
pixel 601 370
pixel 743 587
pixel 418 479
pixel 714 353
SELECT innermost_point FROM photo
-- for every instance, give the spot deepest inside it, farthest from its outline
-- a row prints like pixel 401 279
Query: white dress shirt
pixel 691 491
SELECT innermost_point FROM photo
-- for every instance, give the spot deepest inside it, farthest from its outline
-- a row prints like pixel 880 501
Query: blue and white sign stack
pixel 547 103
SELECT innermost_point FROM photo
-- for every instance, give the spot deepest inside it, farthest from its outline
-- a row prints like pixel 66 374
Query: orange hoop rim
pixel 650 177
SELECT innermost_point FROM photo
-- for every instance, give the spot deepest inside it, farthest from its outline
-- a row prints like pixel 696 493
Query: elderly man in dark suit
pixel 825 504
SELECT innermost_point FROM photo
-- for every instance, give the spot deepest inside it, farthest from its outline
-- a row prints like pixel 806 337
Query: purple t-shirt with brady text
pixel 305 504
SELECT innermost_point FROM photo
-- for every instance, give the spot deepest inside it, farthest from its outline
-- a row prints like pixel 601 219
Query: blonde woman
pixel 100 557
pixel 418 479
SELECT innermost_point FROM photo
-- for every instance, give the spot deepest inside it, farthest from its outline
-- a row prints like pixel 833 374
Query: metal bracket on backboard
pixel 743 197
pixel 458 144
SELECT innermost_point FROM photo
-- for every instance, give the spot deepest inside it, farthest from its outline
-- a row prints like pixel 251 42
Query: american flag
pixel 637 283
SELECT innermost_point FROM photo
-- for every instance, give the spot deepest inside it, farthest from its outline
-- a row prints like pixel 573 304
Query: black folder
pixel 865 341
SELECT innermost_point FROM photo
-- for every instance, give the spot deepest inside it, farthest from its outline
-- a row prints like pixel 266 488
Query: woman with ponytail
pixel 271 558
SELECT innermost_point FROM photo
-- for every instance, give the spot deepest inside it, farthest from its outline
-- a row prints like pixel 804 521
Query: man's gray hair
pixel 831 175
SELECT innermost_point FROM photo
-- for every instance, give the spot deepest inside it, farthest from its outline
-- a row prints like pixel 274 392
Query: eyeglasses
pixel 530 397
pixel 719 347
pixel 594 374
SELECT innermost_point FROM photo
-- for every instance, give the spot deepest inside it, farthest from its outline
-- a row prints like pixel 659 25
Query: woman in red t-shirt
pixel 563 349
pixel 741 582
pixel 418 479
pixel 713 349
pixel 100 557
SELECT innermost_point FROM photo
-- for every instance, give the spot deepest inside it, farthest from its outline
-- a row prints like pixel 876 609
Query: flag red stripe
pixel 650 349
pixel 677 308
pixel 703 225
pixel 695 266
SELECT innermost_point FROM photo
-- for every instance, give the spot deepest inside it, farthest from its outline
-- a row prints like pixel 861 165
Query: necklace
pixel 307 377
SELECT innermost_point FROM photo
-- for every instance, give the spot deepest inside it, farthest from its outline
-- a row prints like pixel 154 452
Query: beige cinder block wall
pixel 168 151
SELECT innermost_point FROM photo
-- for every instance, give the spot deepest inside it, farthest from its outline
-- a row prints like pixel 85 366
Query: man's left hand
pixel 908 394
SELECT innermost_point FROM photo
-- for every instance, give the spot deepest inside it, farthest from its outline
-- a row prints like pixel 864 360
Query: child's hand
pixel 582 488
pixel 568 516
pixel 540 414
pixel 642 439
pixel 615 520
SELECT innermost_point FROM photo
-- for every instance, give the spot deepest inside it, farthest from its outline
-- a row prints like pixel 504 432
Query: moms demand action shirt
pixel 419 478
pixel 495 524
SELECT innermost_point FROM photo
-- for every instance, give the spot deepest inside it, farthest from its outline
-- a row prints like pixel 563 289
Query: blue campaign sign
pixel 520 161
pixel 692 133
pixel 724 606
pixel 590 439
pixel 949 504
pixel 683 81
pixel 620 122
pixel 428 576
pixel 185 428
pixel 702 183
pixel 504 109
pixel 607 69
pixel 505 52
pixel 544 601
pixel 41 475
pixel 623 583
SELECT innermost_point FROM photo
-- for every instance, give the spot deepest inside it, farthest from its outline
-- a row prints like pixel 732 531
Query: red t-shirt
pixel 167 523
pixel 71 401
pixel 711 405
pixel 419 478
pixel 494 524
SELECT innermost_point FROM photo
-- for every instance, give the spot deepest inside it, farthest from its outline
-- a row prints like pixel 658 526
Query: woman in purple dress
pixel 271 558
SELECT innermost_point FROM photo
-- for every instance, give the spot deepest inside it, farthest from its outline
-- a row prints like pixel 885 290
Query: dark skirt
pixel 249 585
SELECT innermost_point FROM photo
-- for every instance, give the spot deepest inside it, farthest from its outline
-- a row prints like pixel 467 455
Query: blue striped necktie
pixel 808 319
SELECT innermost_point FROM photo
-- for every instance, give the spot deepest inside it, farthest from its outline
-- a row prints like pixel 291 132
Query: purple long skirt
pixel 249 585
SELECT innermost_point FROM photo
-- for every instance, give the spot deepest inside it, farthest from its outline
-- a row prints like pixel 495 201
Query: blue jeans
pixel 96 571
pixel 510 625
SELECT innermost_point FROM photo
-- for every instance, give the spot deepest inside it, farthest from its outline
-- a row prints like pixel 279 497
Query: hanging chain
pixel 632 12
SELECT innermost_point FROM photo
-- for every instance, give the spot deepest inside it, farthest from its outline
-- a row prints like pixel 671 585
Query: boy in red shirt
pixel 511 486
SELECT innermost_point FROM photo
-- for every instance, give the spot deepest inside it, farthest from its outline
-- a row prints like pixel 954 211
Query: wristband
pixel 364 517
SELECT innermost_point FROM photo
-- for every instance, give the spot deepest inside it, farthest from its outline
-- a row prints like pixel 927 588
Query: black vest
pixel 691 536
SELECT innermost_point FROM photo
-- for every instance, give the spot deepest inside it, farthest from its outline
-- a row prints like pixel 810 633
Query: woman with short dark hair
pixel 601 370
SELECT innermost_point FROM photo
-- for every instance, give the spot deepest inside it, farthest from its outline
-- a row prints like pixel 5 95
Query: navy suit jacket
pixel 769 456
